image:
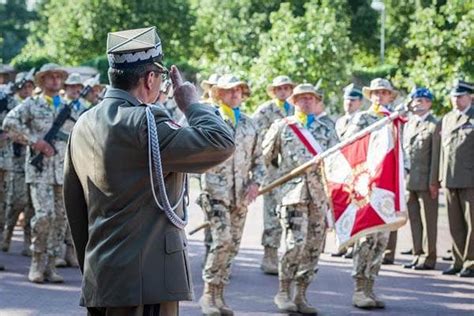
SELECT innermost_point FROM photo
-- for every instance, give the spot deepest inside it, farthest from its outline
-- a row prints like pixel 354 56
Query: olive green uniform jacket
pixel 129 252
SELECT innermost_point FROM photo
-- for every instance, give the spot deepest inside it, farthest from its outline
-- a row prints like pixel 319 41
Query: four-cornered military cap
pixel 304 88
pixel 73 79
pixel 379 84
pixel 207 84
pixel 134 47
pixel 230 81
pixel 47 69
pixel 461 87
pixel 278 82
pixel 351 92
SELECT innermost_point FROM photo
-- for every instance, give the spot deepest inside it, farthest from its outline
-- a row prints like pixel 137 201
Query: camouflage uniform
pixel 29 122
pixel 304 203
pixel 326 119
pixel 369 251
pixel 17 197
pixel 226 186
pixel 343 123
pixel 5 164
pixel 264 116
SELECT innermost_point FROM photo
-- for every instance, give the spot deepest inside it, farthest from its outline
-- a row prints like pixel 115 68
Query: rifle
pixel 53 132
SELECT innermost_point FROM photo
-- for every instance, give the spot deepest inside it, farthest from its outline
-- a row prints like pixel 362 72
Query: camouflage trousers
pixel 227 225
pixel 368 255
pixel 304 226
pixel 272 230
pixel 3 174
pixel 49 220
pixel 17 200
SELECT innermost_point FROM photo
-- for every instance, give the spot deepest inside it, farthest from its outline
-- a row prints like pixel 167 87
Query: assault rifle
pixel 53 132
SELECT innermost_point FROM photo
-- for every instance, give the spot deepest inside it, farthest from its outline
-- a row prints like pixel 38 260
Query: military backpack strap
pixel 156 174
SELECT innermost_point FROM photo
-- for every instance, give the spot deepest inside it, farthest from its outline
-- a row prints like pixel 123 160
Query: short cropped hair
pixel 127 79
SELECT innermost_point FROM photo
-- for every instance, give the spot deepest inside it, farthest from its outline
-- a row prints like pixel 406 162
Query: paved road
pixel 406 292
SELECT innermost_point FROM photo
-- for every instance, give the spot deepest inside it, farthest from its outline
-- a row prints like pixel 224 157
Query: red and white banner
pixel 365 183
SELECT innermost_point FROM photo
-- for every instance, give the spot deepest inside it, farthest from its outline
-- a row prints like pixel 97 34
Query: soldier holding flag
pixel 304 203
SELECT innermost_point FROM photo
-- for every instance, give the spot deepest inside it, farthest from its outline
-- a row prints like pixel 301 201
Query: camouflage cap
pixel 278 82
pixel 229 81
pixel 133 47
pixel 24 77
pixel 211 81
pixel 93 81
pixel 379 84
pixel 73 79
pixel 304 88
pixel 47 69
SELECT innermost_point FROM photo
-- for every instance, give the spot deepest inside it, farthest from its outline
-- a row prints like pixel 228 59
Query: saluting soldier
pixel 28 123
pixel 303 204
pixel 457 176
pixel 421 144
pixel 267 113
pixel 17 196
pixel 231 187
pixel 369 250
pixel 125 182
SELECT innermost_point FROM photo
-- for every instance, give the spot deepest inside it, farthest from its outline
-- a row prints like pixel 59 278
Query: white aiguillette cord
pixel 154 163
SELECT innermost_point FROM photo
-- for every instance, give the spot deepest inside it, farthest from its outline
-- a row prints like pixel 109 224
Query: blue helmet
pixel 422 93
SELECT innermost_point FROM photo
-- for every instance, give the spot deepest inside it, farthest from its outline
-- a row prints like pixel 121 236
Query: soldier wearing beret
pixel 125 184
pixel 421 144
pixel 456 174
pixel 267 113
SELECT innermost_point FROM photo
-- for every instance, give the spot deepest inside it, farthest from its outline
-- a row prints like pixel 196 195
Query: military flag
pixel 365 183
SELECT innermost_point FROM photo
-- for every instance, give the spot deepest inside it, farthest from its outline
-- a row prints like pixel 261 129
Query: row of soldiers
pixel 290 129
pixel 30 111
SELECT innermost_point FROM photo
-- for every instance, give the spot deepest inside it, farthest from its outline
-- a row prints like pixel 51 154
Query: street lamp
pixel 379 6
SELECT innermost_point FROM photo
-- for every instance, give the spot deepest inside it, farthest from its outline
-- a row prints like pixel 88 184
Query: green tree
pixel 14 19
pixel 308 48
pixel 441 42
pixel 79 32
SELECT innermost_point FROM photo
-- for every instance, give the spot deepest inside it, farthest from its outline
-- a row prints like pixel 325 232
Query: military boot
pixel 208 300
pixel 26 243
pixel 7 238
pixel 360 298
pixel 369 291
pixel 283 298
pixel 301 301
pixel 50 273
pixel 36 274
pixel 220 302
pixel 270 261
pixel 71 258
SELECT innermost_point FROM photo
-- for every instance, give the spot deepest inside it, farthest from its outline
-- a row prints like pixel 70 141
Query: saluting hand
pixel 185 93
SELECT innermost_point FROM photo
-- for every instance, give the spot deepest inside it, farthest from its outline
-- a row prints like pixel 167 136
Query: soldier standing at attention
pixel 303 204
pixel 267 113
pixel 17 195
pixel 457 176
pixel 125 184
pixel 29 122
pixel 369 250
pixel 352 104
pixel 230 186
pixel 422 147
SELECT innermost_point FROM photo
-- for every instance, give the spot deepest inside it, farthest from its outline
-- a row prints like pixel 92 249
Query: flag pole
pixel 317 159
